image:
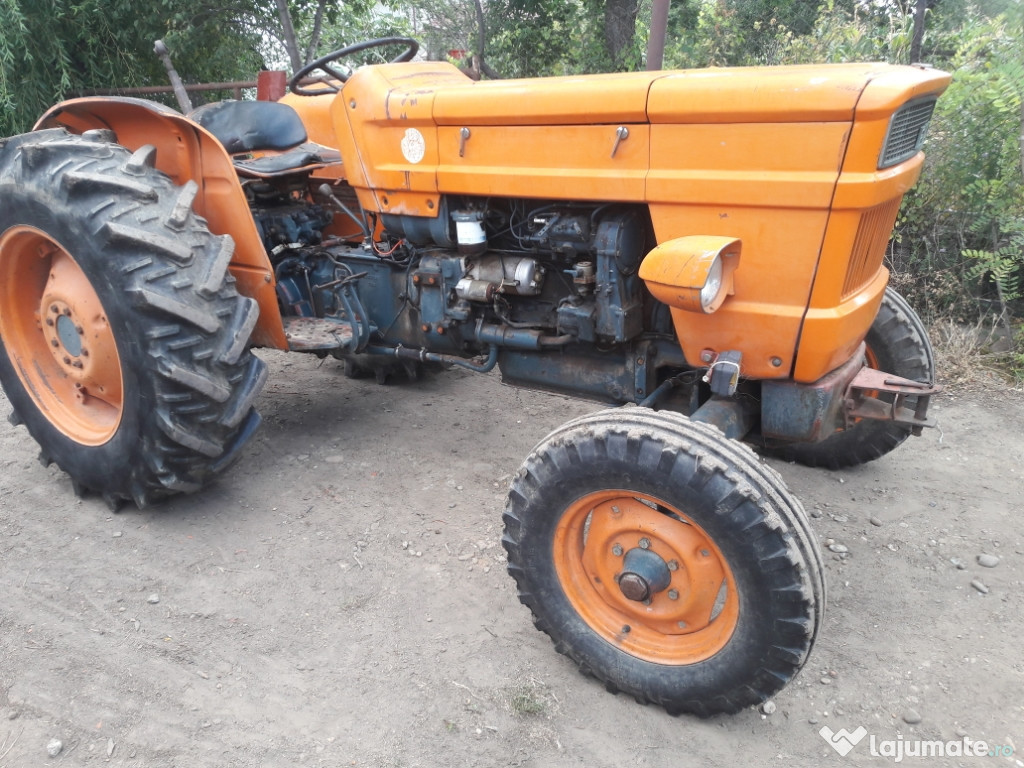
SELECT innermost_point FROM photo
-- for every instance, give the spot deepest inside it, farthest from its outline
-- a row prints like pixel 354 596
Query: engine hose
pixel 433 357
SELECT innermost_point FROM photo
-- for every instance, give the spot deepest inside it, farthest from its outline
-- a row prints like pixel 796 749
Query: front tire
pixel 665 560
pixel 897 343
pixel 123 342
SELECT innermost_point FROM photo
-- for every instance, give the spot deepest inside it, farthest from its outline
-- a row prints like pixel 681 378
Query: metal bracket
pixel 908 405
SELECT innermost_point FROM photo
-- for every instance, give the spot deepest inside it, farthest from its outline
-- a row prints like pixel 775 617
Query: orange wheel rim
pixel 606 539
pixel 58 337
pixel 870 358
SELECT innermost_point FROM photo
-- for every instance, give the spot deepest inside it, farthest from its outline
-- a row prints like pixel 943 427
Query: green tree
pixel 109 43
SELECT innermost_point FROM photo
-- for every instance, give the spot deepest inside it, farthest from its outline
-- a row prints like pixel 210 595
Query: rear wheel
pixel 897 343
pixel 665 560
pixel 123 342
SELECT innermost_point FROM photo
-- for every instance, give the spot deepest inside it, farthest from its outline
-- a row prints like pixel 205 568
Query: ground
pixel 340 598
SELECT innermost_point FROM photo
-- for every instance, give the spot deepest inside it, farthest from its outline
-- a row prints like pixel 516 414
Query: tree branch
pixel 290 43
pixel 318 23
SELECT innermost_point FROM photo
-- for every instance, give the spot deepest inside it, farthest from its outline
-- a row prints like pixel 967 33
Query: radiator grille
pixel 869 245
pixel 906 132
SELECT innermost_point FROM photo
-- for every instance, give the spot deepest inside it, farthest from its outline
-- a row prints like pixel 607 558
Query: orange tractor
pixel 704 248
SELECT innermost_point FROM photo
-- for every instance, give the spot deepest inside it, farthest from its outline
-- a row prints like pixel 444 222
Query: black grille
pixel 906 132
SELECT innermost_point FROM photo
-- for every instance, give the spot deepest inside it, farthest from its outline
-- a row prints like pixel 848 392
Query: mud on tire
pixel 80 215
pixel 633 491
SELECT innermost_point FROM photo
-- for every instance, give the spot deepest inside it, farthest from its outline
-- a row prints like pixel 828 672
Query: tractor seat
pixel 251 126
pixel 244 127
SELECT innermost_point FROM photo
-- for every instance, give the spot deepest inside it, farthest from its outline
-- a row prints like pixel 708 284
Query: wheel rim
pixel 57 336
pixel 606 539
pixel 870 358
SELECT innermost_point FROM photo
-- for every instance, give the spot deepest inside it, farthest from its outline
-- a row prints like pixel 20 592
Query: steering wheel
pixel 327 64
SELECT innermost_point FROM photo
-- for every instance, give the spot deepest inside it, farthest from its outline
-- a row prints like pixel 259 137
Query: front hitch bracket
pixel 908 405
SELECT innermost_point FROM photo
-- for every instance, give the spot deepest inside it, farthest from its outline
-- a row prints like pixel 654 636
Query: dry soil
pixel 340 598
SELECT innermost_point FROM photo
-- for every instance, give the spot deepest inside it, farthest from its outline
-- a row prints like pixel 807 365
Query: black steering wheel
pixel 337 76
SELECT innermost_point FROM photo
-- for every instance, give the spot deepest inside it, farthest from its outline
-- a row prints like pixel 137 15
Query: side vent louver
pixel 907 130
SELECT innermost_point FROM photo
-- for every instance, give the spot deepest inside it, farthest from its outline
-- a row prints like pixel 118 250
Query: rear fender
pixel 185 152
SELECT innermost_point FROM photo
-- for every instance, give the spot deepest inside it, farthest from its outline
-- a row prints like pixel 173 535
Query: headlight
pixel 693 273
pixel 713 285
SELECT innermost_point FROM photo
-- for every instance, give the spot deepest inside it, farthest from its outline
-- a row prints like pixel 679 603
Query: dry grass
pixel 973 357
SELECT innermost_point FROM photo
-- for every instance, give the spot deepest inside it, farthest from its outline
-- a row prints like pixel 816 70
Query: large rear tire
pixel 123 342
pixel 665 560
pixel 897 343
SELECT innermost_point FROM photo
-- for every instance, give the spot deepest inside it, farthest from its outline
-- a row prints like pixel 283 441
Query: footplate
pixel 308 334
pixel 909 404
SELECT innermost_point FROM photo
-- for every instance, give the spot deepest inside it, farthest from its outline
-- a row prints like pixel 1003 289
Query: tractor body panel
pixel 784 159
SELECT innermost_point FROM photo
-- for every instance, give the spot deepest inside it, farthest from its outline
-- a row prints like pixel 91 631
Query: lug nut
pixel 49 321
pixel 55 309
pixel 81 331
pixel 54 342
pixel 673 594
pixel 681 624
pixel 645 543
pixel 617 550
pixel 76 364
pixel 67 360
pixel 673 565
pixel 626 629
pixel 705 553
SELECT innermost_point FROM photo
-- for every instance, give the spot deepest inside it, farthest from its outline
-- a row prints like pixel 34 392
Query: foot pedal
pixel 309 334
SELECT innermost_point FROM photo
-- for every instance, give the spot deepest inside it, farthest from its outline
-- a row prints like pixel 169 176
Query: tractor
pixel 701 250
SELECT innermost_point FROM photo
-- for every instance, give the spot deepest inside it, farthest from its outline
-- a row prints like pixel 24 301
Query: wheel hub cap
pixel 644 573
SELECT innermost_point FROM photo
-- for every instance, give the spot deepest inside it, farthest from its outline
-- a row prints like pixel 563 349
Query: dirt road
pixel 339 598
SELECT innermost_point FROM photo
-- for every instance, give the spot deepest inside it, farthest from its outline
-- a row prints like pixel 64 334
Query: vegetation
pixel 959 249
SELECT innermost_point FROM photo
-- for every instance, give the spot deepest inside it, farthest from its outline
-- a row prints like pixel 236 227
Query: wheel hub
pixel 644 574
pixel 64 334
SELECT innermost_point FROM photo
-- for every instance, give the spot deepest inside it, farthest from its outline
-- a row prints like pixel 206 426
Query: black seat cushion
pixel 272 165
pixel 250 126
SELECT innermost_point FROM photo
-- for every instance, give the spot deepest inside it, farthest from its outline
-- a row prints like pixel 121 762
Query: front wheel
pixel 897 343
pixel 665 560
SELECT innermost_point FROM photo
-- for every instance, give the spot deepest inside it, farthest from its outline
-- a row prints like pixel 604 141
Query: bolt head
pixel 705 553
pixel 645 543
pixel 617 550
pixel 673 565
pixel 673 594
